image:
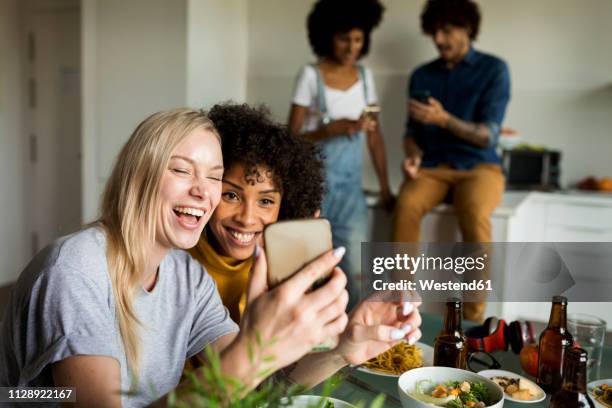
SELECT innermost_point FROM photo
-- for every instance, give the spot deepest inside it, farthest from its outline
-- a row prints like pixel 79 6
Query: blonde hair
pixel 129 209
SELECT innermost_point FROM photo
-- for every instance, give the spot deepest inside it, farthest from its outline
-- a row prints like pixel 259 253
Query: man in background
pixel 455 110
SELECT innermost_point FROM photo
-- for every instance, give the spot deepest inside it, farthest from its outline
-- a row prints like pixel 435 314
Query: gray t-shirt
pixel 63 305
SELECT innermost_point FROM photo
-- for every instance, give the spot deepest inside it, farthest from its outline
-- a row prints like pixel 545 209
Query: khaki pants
pixel 475 194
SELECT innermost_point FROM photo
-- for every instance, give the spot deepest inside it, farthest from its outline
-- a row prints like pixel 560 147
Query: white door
pixel 52 119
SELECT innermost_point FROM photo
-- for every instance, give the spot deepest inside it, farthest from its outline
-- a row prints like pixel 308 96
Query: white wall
pixel 12 218
pixel 561 63
pixel 141 56
pixel 558 52
pixel 138 57
pixel 216 51
pixel 134 65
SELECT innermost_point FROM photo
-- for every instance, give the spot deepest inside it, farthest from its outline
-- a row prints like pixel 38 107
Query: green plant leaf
pixel 379 401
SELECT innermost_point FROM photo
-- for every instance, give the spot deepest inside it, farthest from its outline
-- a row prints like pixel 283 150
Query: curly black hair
pixel 329 17
pixel 250 137
pixel 459 13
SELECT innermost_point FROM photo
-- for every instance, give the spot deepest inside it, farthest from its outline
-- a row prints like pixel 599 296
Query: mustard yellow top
pixel 231 276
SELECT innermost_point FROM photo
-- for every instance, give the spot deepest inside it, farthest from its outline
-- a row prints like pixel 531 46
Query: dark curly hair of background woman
pixel 250 137
pixel 329 17
pixel 460 13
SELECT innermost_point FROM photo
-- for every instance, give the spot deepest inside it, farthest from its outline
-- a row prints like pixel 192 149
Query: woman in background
pixel 328 108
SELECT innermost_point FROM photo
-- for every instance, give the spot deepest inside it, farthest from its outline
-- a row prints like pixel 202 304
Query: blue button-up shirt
pixel 477 90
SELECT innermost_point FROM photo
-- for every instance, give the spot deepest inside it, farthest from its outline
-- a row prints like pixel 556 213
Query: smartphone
pixel 290 245
pixel 421 95
pixel 371 111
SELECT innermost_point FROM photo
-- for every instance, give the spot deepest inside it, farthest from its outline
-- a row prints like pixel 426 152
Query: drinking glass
pixel 589 331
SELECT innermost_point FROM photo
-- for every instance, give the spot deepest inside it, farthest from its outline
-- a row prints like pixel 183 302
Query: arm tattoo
pixel 473 133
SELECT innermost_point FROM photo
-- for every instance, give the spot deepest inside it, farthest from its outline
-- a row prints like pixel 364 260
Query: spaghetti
pixel 398 359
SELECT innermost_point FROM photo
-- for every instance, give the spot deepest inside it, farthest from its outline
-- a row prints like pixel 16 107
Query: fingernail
pixel 407 308
pixel 397 334
pixel 257 251
pixel 412 340
pixel 339 252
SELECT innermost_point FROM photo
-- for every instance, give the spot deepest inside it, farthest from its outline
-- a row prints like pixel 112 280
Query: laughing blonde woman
pixel 118 305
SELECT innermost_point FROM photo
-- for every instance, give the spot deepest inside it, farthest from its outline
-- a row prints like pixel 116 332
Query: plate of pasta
pixel 398 359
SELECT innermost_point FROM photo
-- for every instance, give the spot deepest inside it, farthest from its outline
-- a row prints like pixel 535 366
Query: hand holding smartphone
pixel 421 95
pixel 290 245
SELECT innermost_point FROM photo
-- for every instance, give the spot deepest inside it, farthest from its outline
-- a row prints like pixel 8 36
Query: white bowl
pixel 309 401
pixel 407 384
pixel 594 384
pixel 541 396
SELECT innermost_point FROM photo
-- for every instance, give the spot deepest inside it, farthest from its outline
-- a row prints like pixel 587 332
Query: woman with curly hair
pixel 269 176
pixel 328 105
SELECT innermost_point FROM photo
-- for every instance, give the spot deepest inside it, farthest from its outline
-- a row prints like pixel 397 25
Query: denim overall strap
pixel 362 76
pixel 320 91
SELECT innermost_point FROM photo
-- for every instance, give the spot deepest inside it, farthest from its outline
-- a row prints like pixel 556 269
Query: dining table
pixel 356 386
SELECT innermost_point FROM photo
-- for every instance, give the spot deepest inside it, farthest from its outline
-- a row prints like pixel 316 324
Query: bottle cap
pixel 578 354
pixel 455 302
pixel 560 299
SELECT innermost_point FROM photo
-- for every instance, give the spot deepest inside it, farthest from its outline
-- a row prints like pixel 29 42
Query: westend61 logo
pixel 435 270
pixel 413 264
pixel 444 265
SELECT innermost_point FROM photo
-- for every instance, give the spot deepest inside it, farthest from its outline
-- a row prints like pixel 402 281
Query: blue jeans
pixel 344 206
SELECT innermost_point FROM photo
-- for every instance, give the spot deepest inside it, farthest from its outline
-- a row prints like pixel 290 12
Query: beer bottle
pixel 450 349
pixel 573 393
pixel 554 342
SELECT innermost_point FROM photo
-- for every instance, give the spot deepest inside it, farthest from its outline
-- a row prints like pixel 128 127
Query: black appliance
pixel 530 169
